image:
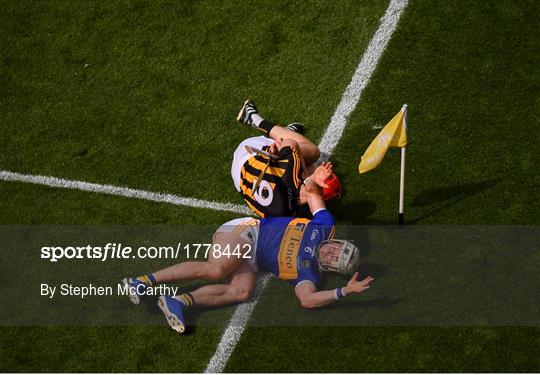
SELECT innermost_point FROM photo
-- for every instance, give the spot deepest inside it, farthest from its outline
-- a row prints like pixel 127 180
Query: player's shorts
pixel 248 229
pixel 279 191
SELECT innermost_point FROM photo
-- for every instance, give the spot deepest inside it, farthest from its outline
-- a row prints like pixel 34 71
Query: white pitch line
pixel 236 327
pixel 361 76
pixel 123 191
pixel 329 141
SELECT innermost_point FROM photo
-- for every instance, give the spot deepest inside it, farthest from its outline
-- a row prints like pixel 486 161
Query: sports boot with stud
pixel 296 127
pixel 245 115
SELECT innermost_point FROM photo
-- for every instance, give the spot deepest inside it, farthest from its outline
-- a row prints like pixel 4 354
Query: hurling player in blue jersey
pixel 296 250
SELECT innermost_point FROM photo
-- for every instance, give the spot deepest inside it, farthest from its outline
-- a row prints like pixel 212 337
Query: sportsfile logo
pixel 119 251
pixel 109 251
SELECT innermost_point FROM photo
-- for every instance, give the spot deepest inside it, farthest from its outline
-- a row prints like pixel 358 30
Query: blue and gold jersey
pixel 286 246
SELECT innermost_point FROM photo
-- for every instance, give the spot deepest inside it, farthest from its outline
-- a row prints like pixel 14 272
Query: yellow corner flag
pixel 394 134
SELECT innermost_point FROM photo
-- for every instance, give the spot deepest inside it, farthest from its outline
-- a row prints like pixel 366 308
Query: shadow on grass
pixel 372 269
pixel 354 212
pixel 358 213
pixel 382 302
pixel 191 317
pixel 448 196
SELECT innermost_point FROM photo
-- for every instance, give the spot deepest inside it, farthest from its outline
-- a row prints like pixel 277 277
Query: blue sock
pixel 147 279
pixel 186 299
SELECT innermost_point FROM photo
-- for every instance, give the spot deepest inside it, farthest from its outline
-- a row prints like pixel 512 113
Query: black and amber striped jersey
pixel 278 192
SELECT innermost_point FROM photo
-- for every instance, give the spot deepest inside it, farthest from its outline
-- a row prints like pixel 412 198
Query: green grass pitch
pixel 143 94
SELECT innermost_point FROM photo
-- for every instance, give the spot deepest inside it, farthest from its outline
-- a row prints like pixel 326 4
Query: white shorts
pixel 241 156
pixel 248 229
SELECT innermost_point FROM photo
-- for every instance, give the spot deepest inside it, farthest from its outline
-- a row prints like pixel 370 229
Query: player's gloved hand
pixel 355 286
pixel 322 172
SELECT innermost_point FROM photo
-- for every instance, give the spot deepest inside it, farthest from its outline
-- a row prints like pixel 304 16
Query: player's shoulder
pixel 275 220
pixel 323 217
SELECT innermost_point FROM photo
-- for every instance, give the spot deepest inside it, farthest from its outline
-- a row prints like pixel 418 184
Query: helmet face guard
pixel 338 256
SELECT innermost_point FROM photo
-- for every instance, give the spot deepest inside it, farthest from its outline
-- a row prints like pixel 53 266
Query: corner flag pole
pixel 401 219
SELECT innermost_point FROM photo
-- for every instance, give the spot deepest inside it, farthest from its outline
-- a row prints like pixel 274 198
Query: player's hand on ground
pixel 322 172
pixel 356 286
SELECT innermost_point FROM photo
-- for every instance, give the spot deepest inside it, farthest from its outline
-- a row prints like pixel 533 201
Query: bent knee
pixel 291 143
pixel 215 272
pixel 316 154
pixel 242 294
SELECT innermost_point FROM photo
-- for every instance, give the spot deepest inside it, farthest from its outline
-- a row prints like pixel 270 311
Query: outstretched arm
pixel 310 298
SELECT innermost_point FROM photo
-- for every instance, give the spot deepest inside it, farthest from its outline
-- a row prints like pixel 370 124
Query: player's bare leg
pixel 216 268
pixel 249 115
pixel 307 168
pixel 219 266
pixel 238 289
pixel 310 152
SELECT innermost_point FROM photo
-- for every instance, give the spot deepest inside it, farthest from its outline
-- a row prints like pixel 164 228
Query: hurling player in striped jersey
pixel 270 179
pixel 295 250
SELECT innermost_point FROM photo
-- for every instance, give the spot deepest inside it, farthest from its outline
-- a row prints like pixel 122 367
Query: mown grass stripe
pixel 235 328
pixel 329 141
pixel 361 76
